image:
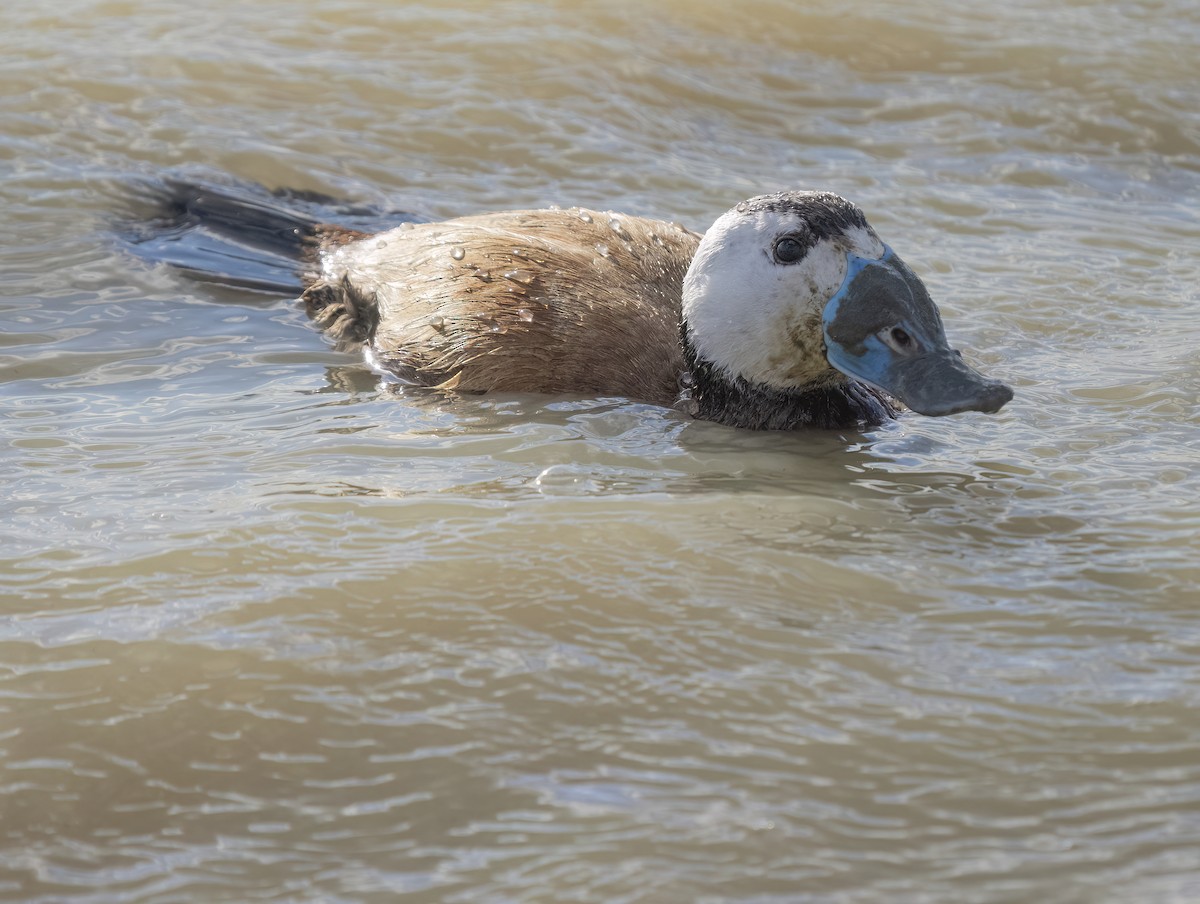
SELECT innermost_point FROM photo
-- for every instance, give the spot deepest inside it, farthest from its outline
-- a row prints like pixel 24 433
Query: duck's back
pixel 553 301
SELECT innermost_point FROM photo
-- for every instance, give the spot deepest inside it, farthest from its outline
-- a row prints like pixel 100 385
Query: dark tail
pixel 242 236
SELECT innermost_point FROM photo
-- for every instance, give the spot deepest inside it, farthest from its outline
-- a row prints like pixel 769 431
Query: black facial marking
pixel 736 402
pixel 827 215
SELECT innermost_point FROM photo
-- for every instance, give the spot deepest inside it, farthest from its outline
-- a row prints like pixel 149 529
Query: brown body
pixel 550 301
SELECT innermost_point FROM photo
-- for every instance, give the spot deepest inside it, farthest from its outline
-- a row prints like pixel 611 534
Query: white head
pixel 754 295
pixel 795 291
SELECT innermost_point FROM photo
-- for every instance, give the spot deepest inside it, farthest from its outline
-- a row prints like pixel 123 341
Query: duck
pixel 788 312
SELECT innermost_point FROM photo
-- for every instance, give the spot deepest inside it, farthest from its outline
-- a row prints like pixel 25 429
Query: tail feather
pixel 262 224
pixel 241 236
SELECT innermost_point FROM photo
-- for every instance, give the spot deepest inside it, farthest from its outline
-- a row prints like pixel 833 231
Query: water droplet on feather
pixel 524 277
pixel 493 325
pixel 457 253
pixel 615 225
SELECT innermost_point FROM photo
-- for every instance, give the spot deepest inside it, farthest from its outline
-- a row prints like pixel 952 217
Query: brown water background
pixel 270 633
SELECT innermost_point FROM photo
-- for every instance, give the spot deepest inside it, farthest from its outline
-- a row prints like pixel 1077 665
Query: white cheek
pixel 824 269
pixel 754 317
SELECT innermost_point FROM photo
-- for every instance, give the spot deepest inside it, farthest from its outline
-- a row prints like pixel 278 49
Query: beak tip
pixel 990 399
pixel 996 398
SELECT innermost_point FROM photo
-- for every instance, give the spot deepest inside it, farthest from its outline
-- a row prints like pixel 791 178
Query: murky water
pixel 268 632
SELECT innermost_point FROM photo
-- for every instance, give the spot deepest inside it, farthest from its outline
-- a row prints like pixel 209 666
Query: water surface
pixel 271 631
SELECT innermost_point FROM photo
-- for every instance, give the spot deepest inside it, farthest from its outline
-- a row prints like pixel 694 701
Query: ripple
pixel 273 629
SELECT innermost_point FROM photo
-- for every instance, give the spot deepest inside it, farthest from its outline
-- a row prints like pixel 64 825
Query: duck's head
pixel 795 291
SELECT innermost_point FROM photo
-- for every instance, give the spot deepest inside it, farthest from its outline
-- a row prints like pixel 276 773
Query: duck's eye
pixel 788 249
pixel 901 337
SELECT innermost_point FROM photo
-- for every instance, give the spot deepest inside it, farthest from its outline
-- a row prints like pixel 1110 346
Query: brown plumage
pixel 553 301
